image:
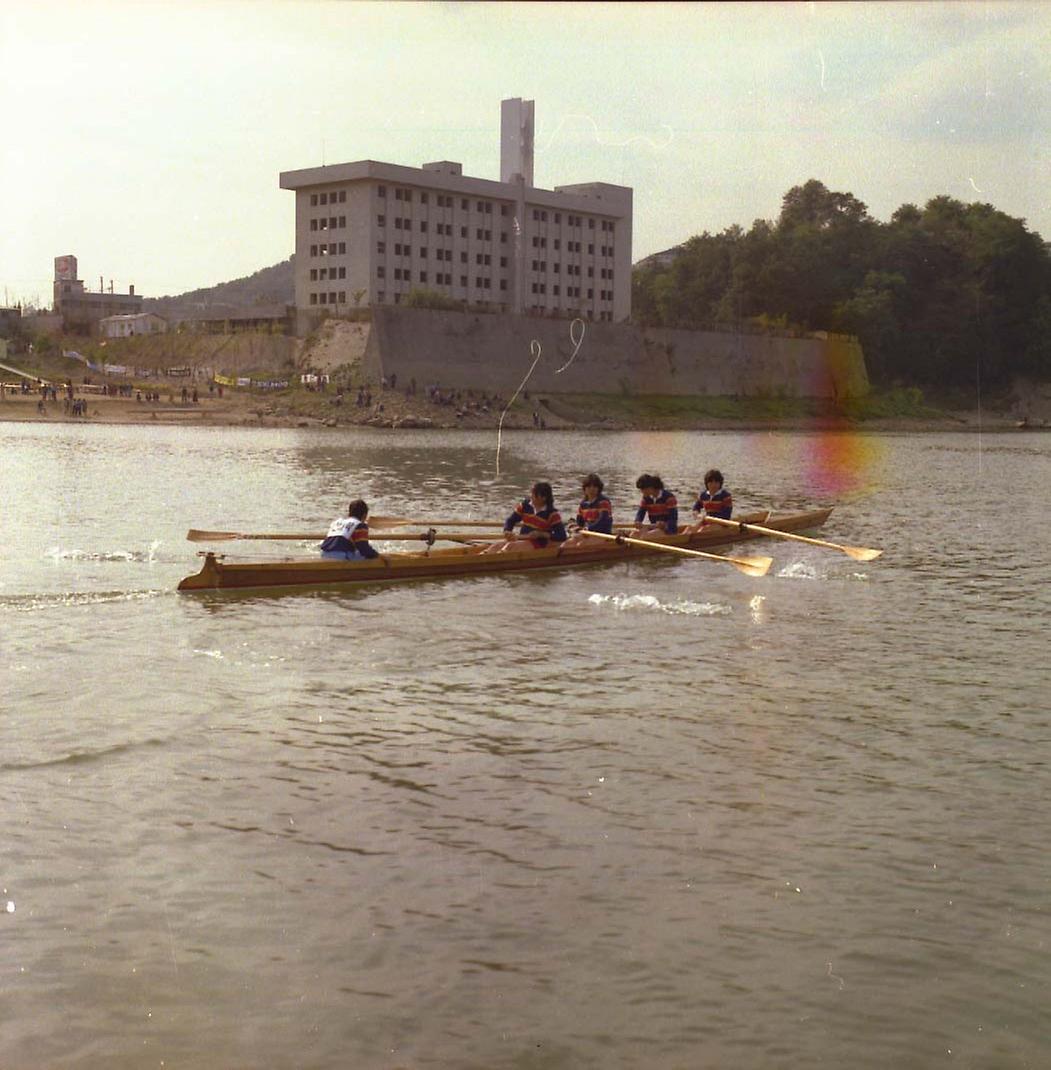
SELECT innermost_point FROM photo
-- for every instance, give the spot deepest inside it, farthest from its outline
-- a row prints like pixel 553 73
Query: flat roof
pixel 617 199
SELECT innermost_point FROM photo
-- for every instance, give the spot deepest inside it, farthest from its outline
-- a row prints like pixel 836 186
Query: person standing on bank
pixel 348 536
pixel 658 512
pixel 715 500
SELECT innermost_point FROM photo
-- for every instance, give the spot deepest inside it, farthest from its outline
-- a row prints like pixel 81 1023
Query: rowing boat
pixel 217 573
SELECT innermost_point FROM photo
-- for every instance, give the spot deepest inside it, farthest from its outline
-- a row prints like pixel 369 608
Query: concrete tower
pixel 516 140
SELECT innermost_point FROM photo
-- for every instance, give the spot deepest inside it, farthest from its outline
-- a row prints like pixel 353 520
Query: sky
pixel 146 137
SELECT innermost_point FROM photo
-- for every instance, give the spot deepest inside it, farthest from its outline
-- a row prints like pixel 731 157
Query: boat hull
pixel 460 561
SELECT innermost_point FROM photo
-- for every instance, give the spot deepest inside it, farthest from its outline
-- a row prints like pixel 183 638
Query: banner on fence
pixel 177 373
pixel 115 369
pixel 225 380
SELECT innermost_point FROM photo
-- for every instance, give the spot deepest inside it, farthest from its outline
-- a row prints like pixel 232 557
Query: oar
pixel 750 566
pixel 387 536
pixel 858 553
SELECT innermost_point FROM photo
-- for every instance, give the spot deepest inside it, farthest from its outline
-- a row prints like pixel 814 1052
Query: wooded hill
pixel 938 296
pixel 267 287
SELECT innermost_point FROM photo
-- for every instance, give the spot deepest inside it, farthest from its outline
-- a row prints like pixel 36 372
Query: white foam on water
pixel 631 602
pixel 57 554
pixel 800 570
pixel 218 654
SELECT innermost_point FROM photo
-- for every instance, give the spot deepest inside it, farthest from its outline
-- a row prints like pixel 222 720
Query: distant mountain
pixel 270 287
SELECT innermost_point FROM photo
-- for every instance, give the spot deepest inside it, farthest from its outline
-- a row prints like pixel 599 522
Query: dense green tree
pixel 938 295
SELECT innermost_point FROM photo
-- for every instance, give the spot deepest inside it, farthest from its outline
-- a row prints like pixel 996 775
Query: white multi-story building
pixel 370 233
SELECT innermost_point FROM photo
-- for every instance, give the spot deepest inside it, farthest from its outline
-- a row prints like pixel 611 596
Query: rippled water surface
pixel 647 815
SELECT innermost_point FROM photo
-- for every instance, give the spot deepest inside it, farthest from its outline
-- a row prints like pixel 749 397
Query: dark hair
pixel 713 474
pixel 646 481
pixel 358 509
pixel 543 490
pixel 592 480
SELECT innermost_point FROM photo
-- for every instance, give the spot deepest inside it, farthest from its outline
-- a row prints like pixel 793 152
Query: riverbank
pixel 392 409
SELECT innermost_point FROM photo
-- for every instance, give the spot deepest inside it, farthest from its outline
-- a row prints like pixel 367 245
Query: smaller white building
pixel 134 323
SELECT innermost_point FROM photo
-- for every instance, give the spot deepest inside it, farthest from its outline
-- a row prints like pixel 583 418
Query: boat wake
pixel 147 556
pixel 647 602
pixel 30 603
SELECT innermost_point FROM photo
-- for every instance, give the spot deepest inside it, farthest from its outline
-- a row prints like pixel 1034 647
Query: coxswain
pixel 658 512
pixel 540 523
pixel 348 536
pixel 715 500
pixel 595 513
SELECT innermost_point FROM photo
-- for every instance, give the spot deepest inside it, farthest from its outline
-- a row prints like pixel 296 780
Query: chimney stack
pixel 516 140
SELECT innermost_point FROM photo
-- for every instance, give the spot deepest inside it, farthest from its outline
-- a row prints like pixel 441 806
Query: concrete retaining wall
pixel 494 353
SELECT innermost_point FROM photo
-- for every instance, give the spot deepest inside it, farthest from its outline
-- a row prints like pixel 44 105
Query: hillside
pixel 270 286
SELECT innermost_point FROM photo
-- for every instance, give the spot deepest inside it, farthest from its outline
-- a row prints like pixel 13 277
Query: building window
pixel 342 196
pixel 323 274
pixel 423 225
pixel 558 217
pixel 503 236
pixel 381 220
pixel 323 298
pixel 591 224
pixel 463 232
pixel 313 250
pixel 313 224
pixel 503 261
pixel 463 278
pixel 463 258
pixel 382 191
pixel 342 248
pixel 313 299
pixel 463 206
pixel 423 198
pixel 503 284
pixel 313 274
pixel 397 222
pixel 423 276
pixel 342 221
pixel 323 199
pixel 313 200
pixel 342 272
pixel 504 209
pixel 381 272
pixel 381 247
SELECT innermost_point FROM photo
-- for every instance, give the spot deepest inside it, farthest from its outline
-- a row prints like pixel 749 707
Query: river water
pixel 646 815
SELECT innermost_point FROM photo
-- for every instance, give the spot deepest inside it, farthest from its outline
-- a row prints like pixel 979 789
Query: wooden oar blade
pixel 211 536
pixel 752 566
pixel 861 553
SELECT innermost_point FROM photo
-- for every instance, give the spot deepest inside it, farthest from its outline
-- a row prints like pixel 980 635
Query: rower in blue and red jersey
pixel 348 536
pixel 539 522
pixel 595 513
pixel 659 506
pixel 715 500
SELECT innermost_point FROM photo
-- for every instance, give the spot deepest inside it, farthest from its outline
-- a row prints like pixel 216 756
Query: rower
pixel 595 513
pixel 715 500
pixel 540 523
pixel 348 536
pixel 659 506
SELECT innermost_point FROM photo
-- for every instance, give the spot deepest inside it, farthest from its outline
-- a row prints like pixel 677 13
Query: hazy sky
pixel 146 137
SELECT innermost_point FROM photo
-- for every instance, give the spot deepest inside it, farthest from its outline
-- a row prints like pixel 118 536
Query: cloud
pixel 995 89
